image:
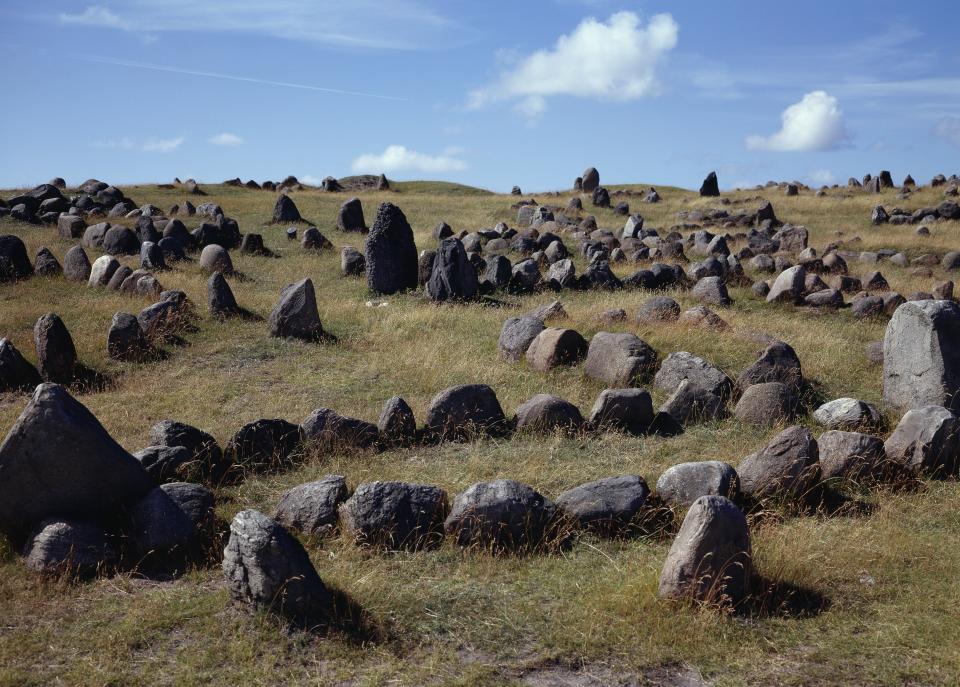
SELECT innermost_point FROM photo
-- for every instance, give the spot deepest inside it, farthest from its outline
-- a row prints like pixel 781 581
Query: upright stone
pixel 710 186
pixel 285 210
pixel 921 355
pixel 390 251
pixel 56 353
pixel 295 315
pixel 452 277
pixel 350 217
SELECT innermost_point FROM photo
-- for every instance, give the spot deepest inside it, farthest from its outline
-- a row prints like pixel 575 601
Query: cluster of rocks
pixel 947 210
pixel 72 500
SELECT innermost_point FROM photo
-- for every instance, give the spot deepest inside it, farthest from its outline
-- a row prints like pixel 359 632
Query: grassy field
pixel 888 599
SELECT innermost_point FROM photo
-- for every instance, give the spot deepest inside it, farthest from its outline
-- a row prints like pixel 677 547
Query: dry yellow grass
pixel 451 617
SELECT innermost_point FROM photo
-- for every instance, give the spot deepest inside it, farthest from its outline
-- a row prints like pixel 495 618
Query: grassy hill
pixel 875 594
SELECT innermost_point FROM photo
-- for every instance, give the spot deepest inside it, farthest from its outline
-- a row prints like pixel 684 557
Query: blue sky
pixel 491 94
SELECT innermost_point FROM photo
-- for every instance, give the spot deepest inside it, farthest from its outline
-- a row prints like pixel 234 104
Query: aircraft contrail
pixel 232 77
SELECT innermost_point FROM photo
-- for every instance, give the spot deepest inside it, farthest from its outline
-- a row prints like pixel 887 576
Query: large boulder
pixel 396 424
pixel 350 216
pixel 548 413
pixel 102 270
pixel 285 210
pixel 395 515
pixel 777 363
pixel 926 440
pixel 121 241
pixel 465 410
pixel 73 547
pixel 768 404
pixel 554 347
pixel 220 298
pixel 605 506
pixel 691 404
pixel 268 569
pixel 14 263
pixel 311 508
pixel 684 483
pixel 710 558
pixel 849 455
pixel 207 462
pixel 516 335
pixel 390 252
pixel 126 340
pixel 59 461
pixel 215 258
pixel 453 277
pixel 787 466
pixel 681 365
pixel 329 430
pixel 56 354
pixel 921 355
pixel 789 286
pixel 295 315
pixel 590 180
pixel 846 413
pixel 502 515
pixel 264 445
pixel 619 359
pixel 629 410
pixel 16 372
pixel 76 265
pixel 46 264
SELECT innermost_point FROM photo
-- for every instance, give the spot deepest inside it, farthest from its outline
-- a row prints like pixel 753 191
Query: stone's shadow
pixel 87 380
pixel 772 598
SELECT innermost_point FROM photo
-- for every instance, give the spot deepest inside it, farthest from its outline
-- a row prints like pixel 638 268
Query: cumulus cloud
pixel 613 60
pixel 814 123
pixel 225 139
pixel 97 15
pixel 397 158
pixel 150 145
pixel 948 128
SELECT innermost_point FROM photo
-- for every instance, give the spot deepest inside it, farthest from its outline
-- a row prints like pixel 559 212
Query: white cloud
pixel 949 129
pixel 96 15
pixel 821 177
pixel 225 139
pixel 613 60
pixel 814 123
pixel 150 145
pixel 309 180
pixel 398 158
pixel 391 24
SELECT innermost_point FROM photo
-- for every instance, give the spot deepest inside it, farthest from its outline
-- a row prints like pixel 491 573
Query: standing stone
pixel 710 559
pixel 311 508
pixel 76 265
pixel 58 460
pixel 465 410
pixel 619 359
pixel 710 186
pixel 220 297
pixel 925 441
pixel 70 226
pixel 554 347
pixel 14 263
pixel 684 483
pixel 397 424
pixel 159 528
pixel 789 286
pixel 215 258
pixel 921 355
pixel 314 240
pixel 630 410
pixel 589 180
pixel 777 363
pixel 788 465
pixel 767 403
pixel 45 264
pixel 126 340
pixel 121 241
pixel 285 210
pixel 516 335
pixel 546 413
pixel 56 353
pixel 352 263
pixel 73 547
pixel 350 217
pixel 390 252
pixel 207 460
pixel 502 515
pixel 269 569
pixel 452 277
pixel 395 515
pixel 15 371
pixel 102 270
pixel 295 315
pixel 151 256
